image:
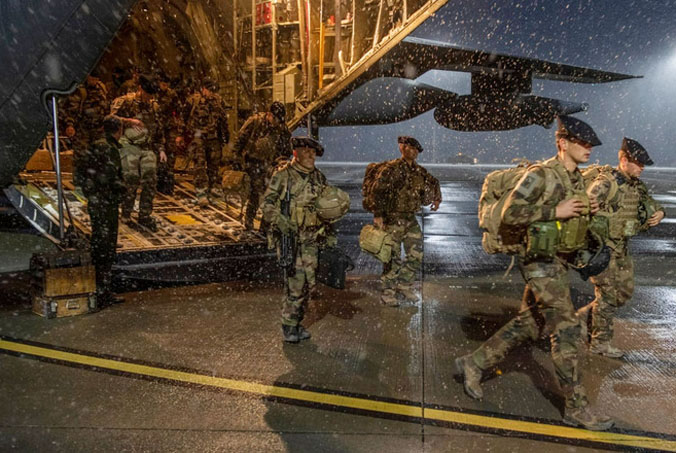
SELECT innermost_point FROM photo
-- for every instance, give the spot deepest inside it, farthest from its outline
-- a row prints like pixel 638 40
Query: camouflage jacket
pixel 103 175
pixel 404 188
pixel 170 109
pixel 538 192
pixel 85 108
pixel 206 117
pixel 259 140
pixel 131 106
pixel 626 202
pixel 304 189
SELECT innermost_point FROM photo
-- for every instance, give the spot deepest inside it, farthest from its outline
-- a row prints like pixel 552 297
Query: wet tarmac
pixel 203 368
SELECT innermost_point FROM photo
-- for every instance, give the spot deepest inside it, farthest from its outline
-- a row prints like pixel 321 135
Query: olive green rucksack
pixel 497 237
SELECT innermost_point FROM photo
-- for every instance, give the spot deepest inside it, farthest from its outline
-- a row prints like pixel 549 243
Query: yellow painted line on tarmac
pixel 347 402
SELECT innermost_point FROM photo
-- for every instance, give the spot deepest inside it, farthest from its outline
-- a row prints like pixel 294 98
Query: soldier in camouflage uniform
pixel 553 190
pixel 208 123
pixel 139 166
pixel 625 201
pixel 262 140
pixel 82 118
pixel 172 126
pixel 403 187
pixel 305 183
pixel 103 187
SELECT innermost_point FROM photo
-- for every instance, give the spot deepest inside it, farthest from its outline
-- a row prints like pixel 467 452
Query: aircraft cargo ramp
pixel 191 244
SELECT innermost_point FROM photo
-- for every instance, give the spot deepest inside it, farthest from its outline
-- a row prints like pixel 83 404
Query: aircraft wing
pixel 493 75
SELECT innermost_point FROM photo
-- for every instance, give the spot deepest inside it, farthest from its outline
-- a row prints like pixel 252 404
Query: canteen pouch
pixel 542 239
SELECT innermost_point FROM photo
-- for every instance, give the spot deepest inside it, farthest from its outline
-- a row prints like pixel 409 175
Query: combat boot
pixel 407 293
pixel 303 334
pixel 389 299
pixel 290 333
pixel 605 349
pixel 585 418
pixel 203 201
pixel 471 376
pixel 148 222
pixel 216 192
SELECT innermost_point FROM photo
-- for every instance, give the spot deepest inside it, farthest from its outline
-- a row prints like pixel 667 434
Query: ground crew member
pixel 140 110
pixel 262 140
pixel 550 192
pixel 624 199
pixel 103 186
pixel 171 122
pixel 304 183
pixel 82 117
pixel 208 123
pixel 403 187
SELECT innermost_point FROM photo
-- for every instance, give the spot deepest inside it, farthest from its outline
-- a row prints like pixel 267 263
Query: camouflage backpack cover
pixel 373 171
pixel 497 237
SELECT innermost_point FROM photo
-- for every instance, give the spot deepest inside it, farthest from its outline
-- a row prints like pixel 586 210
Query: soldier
pixel 82 117
pixel 403 187
pixel 172 131
pixel 103 187
pixel 139 166
pixel 304 183
pixel 207 121
pixel 552 192
pixel 262 139
pixel 624 200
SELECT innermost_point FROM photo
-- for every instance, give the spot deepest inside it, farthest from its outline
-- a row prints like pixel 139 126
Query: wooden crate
pixel 63 284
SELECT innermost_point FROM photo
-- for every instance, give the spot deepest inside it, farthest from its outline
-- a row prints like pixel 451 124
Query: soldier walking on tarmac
pixel 401 188
pixel 262 139
pixel 549 194
pixel 145 138
pixel 208 123
pixel 300 183
pixel 103 186
pixel 625 202
pixel 82 118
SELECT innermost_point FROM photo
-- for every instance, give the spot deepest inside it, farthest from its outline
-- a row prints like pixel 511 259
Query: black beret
pixel 406 140
pixel 308 142
pixel 636 151
pixel 570 127
pixel 148 84
pixel 278 111
pixel 111 124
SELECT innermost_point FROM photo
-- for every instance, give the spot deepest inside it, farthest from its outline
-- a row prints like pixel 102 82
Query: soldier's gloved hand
pixel 378 222
pixel 331 241
pixel 283 224
pixel 435 205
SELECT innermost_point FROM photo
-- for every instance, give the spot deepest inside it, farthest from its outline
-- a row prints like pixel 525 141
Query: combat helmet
pixel 332 204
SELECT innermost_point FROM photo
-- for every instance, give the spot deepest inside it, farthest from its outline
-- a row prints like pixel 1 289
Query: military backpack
pixel 373 171
pixel 497 237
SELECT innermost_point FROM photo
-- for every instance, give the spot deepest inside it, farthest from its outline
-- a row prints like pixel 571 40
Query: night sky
pixel 632 37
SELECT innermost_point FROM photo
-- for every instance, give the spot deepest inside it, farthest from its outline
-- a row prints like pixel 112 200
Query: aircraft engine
pixel 489 113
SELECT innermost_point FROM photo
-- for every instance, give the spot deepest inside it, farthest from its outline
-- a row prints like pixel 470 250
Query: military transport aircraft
pixel 259 52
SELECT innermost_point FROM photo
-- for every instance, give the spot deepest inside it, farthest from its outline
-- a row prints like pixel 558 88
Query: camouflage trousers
pixel 300 286
pixel 103 214
pixel 400 273
pixel 257 172
pixel 613 288
pixel 165 170
pixel 206 154
pixel 546 302
pixel 139 167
